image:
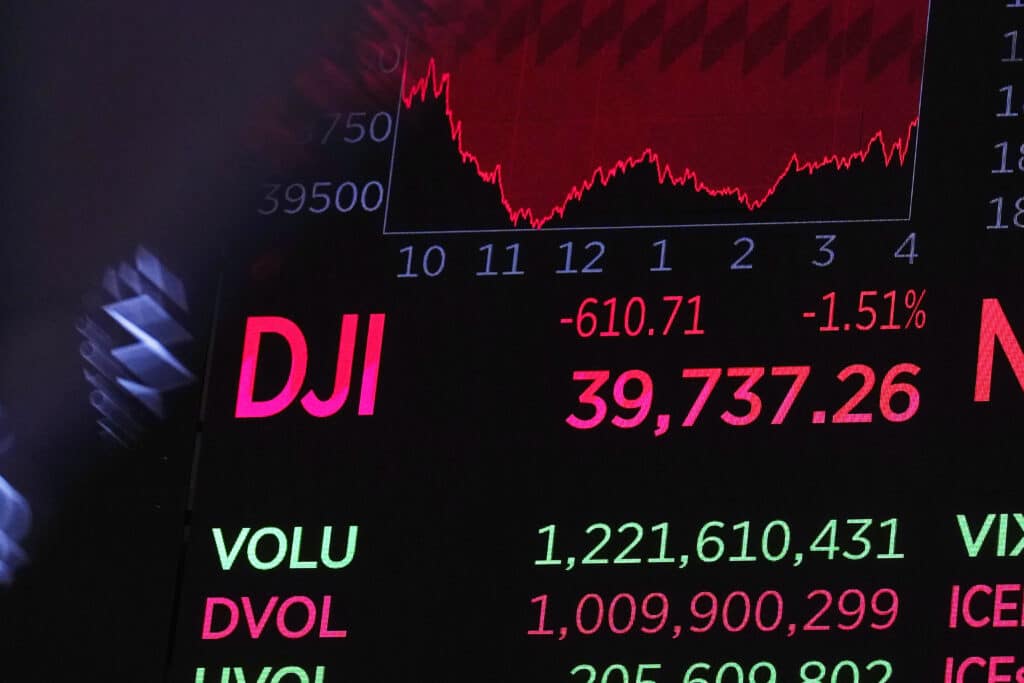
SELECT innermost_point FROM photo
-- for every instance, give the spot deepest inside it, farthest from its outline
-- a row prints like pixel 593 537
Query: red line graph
pixel 741 94
pixel 440 86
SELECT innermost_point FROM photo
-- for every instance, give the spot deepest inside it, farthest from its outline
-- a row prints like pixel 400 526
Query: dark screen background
pixel 122 127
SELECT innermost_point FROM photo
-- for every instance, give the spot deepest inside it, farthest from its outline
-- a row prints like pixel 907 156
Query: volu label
pixel 270 547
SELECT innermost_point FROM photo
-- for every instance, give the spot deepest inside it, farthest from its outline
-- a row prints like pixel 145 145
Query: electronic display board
pixel 601 341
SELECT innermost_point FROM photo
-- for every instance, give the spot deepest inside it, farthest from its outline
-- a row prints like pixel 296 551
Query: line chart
pixel 740 106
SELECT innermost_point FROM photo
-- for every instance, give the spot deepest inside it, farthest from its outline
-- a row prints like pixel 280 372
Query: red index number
pixel 711 377
pixel 608 319
pixel 639 401
pixel 870 310
pixel 597 378
pixel 744 393
pixel 845 414
pixel 799 373
pixel 633 391
pixel 889 388
pixel 642 402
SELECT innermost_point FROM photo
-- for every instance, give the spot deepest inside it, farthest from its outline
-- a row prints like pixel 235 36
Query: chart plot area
pixel 672 112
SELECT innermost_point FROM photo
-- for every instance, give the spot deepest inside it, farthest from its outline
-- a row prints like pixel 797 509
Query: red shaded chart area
pixel 727 97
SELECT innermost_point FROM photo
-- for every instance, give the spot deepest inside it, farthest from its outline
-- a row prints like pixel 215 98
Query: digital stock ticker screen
pixel 585 341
